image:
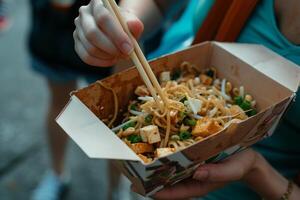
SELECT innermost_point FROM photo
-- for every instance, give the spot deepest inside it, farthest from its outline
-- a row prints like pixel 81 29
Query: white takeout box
pixel 268 77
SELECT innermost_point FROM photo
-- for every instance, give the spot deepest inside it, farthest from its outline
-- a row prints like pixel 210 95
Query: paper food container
pixel 269 78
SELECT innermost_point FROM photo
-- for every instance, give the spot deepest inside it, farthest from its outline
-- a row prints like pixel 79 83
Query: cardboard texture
pixel 269 78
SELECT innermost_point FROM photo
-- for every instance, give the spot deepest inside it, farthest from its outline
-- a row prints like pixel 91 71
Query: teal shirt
pixel 282 149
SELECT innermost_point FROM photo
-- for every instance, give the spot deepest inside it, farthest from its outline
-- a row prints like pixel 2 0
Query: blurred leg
pixel 114 179
pixel 59 96
pixel 53 184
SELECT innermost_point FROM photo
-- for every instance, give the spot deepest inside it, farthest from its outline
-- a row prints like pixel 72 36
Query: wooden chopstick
pixel 135 60
pixel 137 55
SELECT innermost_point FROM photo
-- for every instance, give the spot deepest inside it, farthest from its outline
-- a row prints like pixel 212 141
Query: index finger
pixel 112 28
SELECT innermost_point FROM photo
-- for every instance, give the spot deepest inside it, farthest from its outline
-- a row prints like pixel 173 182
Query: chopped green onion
pixel 238 100
pixel 126 126
pixel 251 112
pixel 183 99
pixel 246 105
pixel 189 122
pixel 133 107
pixel 184 135
pixel 176 74
pixel 182 114
pixel 134 138
pixel 148 119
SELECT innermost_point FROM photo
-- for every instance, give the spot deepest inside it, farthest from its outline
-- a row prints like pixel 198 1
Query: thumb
pixel 231 169
pixel 135 25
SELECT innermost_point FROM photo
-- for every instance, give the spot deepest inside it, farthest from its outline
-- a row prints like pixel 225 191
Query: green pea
pixel 189 122
pixel 238 100
pixel 184 135
pixel 246 105
pixel 148 119
pixel 134 138
pixel 130 124
pixel 133 107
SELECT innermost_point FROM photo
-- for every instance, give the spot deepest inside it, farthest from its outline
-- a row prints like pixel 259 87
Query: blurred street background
pixel 23 101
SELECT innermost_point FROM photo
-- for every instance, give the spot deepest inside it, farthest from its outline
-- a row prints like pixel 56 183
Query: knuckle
pixel 91 35
pixel 82 10
pixel 93 51
pixel 74 36
pixel 103 18
pixel 76 20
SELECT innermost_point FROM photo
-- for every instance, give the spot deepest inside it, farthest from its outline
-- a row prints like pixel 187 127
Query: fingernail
pixel 126 48
pixel 201 175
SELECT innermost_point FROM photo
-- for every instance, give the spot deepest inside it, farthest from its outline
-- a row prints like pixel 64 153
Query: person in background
pixel 5 20
pixel 270 169
pixel 53 56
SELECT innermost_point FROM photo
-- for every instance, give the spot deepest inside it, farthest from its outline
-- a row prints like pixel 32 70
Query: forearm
pixel 152 12
pixel 267 182
pixel 147 11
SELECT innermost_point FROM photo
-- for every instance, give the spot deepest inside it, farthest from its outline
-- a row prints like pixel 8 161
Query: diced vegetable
pixel 183 99
pixel 137 113
pixel 148 119
pixel 184 135
pixel 238 100
pixel 134 138
pixel 130 124
pixel 117 128
pixel 141 147
pixel 246 105
pixel 133 107
pixel 206 127
pixel 150 134
pixel 206 80
pixel 251 112
pixel 182 114
pixel 194 104
pixel 189 122
pixel 145 98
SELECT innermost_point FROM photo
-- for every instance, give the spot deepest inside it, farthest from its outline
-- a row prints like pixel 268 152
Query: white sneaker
pixel 51 187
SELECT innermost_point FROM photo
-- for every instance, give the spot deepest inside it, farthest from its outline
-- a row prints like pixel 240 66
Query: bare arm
pixel 248 166
pixel 151 12
pixel 267 182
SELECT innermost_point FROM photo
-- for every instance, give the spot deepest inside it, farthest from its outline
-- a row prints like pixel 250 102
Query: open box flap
pixel 91 134
pixel 269 63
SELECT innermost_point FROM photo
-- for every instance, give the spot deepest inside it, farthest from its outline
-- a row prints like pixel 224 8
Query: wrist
pixel 265 180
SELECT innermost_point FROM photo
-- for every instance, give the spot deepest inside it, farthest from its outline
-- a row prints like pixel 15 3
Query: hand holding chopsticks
pixel 138 57
pixel 99 38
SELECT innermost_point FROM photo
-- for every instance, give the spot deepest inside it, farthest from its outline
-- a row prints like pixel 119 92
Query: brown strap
pixel 235 19
pixel 212 22
pixel 225 20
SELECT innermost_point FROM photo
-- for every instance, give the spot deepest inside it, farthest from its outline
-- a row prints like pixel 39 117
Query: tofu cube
pixel 141 147
pixel 164 151
pixel 165 76
pixel 150 134
pixel 206 127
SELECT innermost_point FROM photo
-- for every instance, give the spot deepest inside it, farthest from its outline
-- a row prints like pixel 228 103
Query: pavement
pixel 23 103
